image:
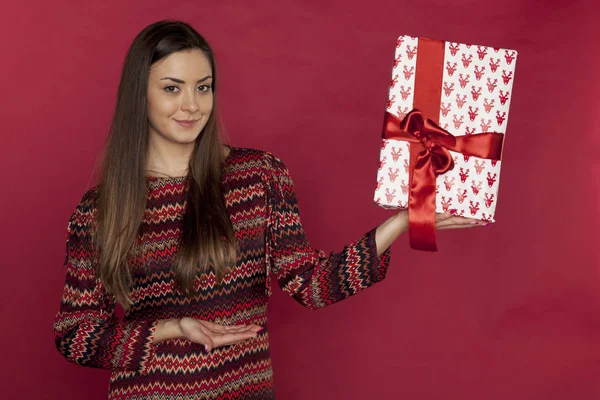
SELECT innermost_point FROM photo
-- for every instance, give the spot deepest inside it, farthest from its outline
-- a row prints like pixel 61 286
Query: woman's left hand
pixel 446 220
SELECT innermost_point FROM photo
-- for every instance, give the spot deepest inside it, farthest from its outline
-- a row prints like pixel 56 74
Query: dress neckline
pixel 184 177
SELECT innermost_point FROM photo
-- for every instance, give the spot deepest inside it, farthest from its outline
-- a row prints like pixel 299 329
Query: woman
pixel 184 232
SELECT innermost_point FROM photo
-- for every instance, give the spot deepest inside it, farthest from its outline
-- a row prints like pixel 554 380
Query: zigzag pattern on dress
pixel 262 205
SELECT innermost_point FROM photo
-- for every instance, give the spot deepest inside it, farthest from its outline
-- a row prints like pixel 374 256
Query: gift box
pixel 450 103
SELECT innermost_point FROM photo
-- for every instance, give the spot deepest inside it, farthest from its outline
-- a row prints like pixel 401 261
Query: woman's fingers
pixel 225 328
pixel 455 220
pixel 441 228
pixel 234 337
pixel 215 335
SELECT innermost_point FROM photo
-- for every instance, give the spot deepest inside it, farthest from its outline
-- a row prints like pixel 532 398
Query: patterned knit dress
pixel 263 208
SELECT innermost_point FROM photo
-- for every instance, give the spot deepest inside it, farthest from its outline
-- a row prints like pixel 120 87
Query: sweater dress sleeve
pixel 309 275
pixel 86 329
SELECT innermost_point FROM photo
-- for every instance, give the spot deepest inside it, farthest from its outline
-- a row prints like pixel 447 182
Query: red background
pixel 510 311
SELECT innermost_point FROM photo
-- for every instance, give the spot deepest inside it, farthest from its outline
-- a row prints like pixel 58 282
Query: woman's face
pixel 180 97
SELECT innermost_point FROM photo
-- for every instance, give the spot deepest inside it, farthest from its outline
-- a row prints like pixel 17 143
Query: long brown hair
pixel 207 239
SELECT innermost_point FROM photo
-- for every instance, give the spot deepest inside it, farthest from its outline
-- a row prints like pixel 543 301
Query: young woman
pixel 184 232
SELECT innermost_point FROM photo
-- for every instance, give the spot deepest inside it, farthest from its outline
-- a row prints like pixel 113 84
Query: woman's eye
pixel 204 88
pixel 170 89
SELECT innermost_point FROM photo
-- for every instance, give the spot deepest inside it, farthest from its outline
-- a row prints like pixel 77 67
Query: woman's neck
pixel 168 158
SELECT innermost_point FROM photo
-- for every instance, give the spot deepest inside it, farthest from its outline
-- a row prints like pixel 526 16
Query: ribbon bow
pixel 429 157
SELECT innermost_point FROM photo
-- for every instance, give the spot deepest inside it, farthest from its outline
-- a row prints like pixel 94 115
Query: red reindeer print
pixel 394 81
pixel 404 187
pixel 437 189
pixel 491 85
pixel 396 153
pixel 379 183
pixel 509 56
pixel 384 144
pixel 445 109
pixel 466 60
pixel 378 201
pixel 473 113
pixel 460 213
pixel 408 72
pixel 399 41
pixel 463 174
pixel 402 204
pixel 479 167
pixel 473 208
pixel 506 77
pixel 411 51
pixel 446 203
pixel 448 88
pixel 485 217
pixel 460 101
pixel 390 101
pixel 398 60
pixel 488 105
pixel 451 68
pixel 485 125
pixel 466 157
pixel 393 174
pixel 463 80
pixel 390 195
pixel 402 111
pixel 476 187
pixel 476 92
pixel 404 93
pixel 488 200
pixel 481 52
pixel 494 64
pixel 494 162
pixel 500 118
pixel 406 167
pixel 456 121
pixel 445 126
pixel 469 131
pixel 453 47
pixel 479 72
pixel 491 179
pixel 448 183
pixel 462 195
pixel 382 162
pixel 455 158
pixel 503 97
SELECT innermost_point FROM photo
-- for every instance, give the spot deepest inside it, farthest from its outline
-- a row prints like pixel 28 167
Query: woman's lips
pixel 187 124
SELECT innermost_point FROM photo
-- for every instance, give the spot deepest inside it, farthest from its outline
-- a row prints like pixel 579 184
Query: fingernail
pixel 259 330
pixel 206 348
pixel 474 223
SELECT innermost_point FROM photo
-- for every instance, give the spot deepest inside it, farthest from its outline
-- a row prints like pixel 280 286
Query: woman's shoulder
pixel 84 214
pixel 268 160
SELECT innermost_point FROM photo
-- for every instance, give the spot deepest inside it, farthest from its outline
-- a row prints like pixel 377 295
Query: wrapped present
pixel 443 135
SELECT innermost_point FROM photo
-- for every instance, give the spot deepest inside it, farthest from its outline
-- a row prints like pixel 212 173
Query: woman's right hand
pixel 212 335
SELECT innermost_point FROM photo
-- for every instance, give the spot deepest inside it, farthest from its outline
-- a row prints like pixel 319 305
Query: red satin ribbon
pixel 429 157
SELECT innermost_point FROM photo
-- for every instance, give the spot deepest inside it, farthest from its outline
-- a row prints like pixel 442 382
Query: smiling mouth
pixel 187 124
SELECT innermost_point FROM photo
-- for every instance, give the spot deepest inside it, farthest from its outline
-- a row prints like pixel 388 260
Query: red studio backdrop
pixel 509 311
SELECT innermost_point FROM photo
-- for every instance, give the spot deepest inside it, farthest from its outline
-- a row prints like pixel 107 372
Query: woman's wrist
pixel 167 329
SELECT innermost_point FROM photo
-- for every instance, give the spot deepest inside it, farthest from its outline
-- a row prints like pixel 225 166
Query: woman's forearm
pixel 389 231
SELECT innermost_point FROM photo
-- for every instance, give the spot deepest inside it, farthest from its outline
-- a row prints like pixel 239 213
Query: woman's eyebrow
pixel 182 82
